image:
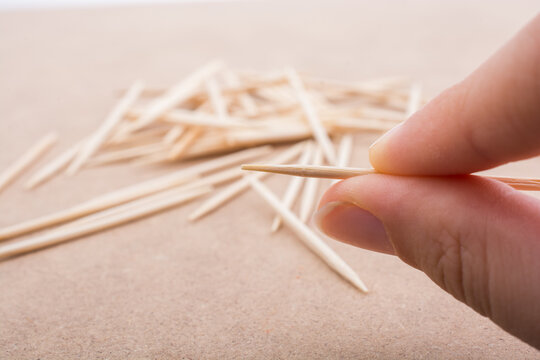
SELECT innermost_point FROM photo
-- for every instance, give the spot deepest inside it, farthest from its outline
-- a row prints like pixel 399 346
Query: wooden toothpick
pixel 239 186
pixel 333 172
pixel 175 95
pixel 318 129
pixel 309 195
pixel 28 158
pixel 308 237
pixel 295 185
pixel 52 168
pixel 415 99
pixel 344 151
pixel 131 193
pixel 69 233
pixel 94 142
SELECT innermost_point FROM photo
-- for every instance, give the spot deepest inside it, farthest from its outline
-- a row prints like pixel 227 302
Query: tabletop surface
pixel 223 287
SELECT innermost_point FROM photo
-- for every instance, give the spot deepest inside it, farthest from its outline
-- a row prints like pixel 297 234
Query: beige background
pixel 223 287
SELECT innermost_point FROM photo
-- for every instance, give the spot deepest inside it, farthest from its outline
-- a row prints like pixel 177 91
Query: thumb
pixel 478 239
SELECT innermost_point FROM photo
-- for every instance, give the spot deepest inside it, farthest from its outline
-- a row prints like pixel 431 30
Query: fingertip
pixel 380 150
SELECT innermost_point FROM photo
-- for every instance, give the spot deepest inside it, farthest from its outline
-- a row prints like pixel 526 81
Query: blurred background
pixel 43 4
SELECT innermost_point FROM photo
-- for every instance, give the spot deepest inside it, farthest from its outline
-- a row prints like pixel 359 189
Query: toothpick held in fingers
pixel 333 172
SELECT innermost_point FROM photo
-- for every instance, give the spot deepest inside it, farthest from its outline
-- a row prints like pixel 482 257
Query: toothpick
pixel 308 237
pixel 52 168
pixel 344 152
pixel 207 181
pixel 239 186
pixel 310 190
pixel 216 99
pixel 174 134
pixel 130 193
pixel 182 146
pixel 247 103
pixel 28 158
pixel 319 131
pixel 148 134
pixel 125 154
pixel 415 99
pixel 103 132
pixel 186 117
pixel 294 187
pixel 361 124
pixel 333 172
pixel 382 113
pixel 63 235
pixel 177 94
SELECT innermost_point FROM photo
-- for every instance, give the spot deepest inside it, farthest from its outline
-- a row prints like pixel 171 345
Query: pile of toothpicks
pixel 225 117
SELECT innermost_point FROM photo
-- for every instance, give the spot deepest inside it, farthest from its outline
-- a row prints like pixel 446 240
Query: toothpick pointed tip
pixel 254 167
pixel 359 284
pixel 193 217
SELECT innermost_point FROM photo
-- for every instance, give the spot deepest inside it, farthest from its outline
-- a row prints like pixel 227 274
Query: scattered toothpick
pixel 35 152
pixel 222 117
pixel 309 238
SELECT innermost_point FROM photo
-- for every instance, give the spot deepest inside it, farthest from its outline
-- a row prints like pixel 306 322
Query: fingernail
pixel 384 138
pixel 351 224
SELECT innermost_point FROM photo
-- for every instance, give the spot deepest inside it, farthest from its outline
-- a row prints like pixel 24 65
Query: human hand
pixel 478 239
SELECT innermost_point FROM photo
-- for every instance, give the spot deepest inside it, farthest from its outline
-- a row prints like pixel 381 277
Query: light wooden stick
pixel 360 124
pixel 63 235
pixel 210 180
pixel 183 144
pixel 216 99
pixel 381 114
pixel 239 186
pixel 415 99
pixel 344 152
pixel 186 117
pixel 248 104
pixel 149 134
pixel 319 131
pixel 52 168
pixel 174 134
pixel 295 185
pixel 27 159
pixel 131 193
pixel 241 88
pixel 308 237
pixel 309 194
pixel 125 154
pixel 332 172
pixel 175 95
pixel 103 132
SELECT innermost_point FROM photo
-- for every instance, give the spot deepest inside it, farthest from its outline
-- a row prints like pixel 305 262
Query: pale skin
pixel 478 239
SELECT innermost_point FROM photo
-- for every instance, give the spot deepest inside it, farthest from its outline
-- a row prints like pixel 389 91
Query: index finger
pixel 490 118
